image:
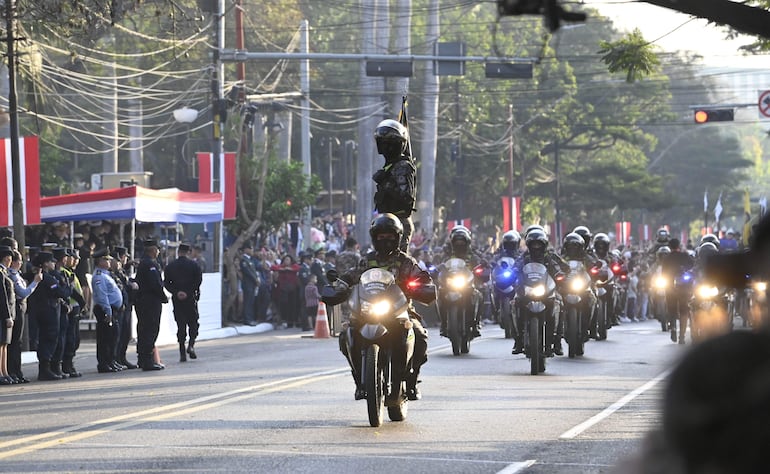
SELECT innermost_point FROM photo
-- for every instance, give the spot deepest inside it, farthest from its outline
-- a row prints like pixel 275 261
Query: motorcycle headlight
pixel 577 285
pixel 537 291
pixel 707 291
pixel 457 282
pixel 760 286
pixel 380 308
pixel 660 282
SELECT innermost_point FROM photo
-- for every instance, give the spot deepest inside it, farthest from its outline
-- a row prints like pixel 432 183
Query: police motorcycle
pixel 705 310
pixel 620 271
pixel 456 289
pixel 536 293
pixel 602 278
pixel 574 290
pixel 658 285
pixel 382 341
pixel 504 281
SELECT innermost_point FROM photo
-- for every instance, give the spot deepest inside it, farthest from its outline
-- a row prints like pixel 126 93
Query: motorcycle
pixel 536 293
pixel 383 340
pixel 456 289
pixel 659 284
pixel 504 279
pixel 705 311
pixel 574 292
pixel 683 283
pixel 602 277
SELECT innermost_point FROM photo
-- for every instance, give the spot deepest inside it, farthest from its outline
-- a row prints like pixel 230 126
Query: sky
pixel 672 31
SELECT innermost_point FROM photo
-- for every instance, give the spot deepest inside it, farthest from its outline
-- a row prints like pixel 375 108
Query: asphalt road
pixel 280 402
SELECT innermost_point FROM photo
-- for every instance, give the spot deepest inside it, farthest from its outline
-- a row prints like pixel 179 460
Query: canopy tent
pixel 134 203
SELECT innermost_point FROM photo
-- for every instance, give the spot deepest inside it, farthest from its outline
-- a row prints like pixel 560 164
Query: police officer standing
pixel 107 301
pixel 77 303
pixel 150 298
pixel 128 289
pixel 65 285
pixel 396 181
pixel 183 279
pixel 44 307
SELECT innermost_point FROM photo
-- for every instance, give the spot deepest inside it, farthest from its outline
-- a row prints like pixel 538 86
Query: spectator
pixel 287 291
pixel 311 303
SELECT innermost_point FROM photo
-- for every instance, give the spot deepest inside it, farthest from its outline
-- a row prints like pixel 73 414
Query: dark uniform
pixel 184 275
pixel 125 283
pixel 7 308
pixel 76 303
pixel 44 307
pixel 150 298
pixel 250 282
pixel 59 254
pixel 396 181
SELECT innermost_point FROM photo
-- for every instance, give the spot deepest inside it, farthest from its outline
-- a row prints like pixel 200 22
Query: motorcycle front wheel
pixel 399 413
pixel 506 317
pixel 454 329
pixel 602 321
pixel 536 354
pixel 574 336
pixel 375 394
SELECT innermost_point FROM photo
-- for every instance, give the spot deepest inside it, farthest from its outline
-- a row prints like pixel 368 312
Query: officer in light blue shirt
pixel 107 296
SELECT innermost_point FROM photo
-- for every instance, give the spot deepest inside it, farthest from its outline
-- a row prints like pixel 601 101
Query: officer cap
pixel 50 246
pixel 184 247
pixel 43 257
pixel 5 251
pixel 247 245
pixel 331 253
pixel 77 236
pixel 73 253
pixel 9 242
pixel 101 253
pixel 150 243
pixel 120 251
pixel 59 253
pixel 320 252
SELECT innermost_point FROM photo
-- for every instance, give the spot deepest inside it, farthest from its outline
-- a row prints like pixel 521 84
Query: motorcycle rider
pixel 673 265
pixel 662 238
pixel 601 246
pixel 386 232
pixel 396 180
pixel 510 245
pixel 585 233
pixel 538 252
pixel 573 248
pixel 460 247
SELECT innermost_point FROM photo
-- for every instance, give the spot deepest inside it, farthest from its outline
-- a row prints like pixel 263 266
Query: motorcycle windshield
pixel 454 265
pixel 576 266
pixel 376 285
pixel 534 273
pixel 376 280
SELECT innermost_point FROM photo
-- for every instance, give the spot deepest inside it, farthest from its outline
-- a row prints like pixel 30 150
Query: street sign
pixel 764 104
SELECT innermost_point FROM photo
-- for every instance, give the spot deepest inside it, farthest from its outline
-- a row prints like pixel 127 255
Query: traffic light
pixel 714 115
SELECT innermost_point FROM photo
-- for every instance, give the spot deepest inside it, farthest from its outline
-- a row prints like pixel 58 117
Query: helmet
pixel 616 254
pixel 665 250
pixel 531 228
pixel 460 240
pixel 601 244
pixel 707 249
pixel 584 232
pixel 511 241
pixel 391 138
pixel 662 236
pixel 573 246
pixel 537 243
pixel 386 231
pixel 710 238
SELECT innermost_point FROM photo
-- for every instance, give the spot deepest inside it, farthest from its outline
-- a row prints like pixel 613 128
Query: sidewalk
pixel 89 344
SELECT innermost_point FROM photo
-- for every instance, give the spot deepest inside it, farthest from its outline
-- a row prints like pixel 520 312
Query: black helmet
pixel 584 232
pixel 537 243
pixel 573 246
pixel 383 227
pixel 511 241
pixel 662 236
pixel 707 249
pixel 460 240
pixel 601 244
pixel 391 138
pixel 531 228
pixel 710 238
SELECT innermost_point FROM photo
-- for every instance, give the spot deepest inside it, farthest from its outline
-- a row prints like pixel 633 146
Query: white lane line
pixel 577 430
pixel 515 467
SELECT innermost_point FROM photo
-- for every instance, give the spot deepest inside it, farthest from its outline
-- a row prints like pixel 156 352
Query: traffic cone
pixel 321 323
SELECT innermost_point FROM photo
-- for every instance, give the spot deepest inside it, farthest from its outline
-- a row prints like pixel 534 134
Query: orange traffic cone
pixel 321 323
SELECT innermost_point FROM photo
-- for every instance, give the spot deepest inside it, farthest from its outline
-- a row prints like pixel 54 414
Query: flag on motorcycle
pixel 404 120
pixel 29 169
pixel 706 201
pixel 718 208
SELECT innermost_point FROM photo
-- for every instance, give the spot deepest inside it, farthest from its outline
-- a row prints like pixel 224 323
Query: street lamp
pixel 186 116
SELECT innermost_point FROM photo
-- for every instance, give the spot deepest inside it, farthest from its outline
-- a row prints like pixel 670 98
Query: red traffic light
pixel 714 115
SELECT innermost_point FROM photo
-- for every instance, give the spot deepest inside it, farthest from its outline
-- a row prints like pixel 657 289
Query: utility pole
pixel 219 113
pixel 305 124
pixel 13 112
pixel 428 142
pixel 557 183
pixel 366 151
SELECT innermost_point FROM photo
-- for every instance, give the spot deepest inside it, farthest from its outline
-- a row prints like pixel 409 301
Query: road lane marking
pixel 577 430
pixel 515 467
